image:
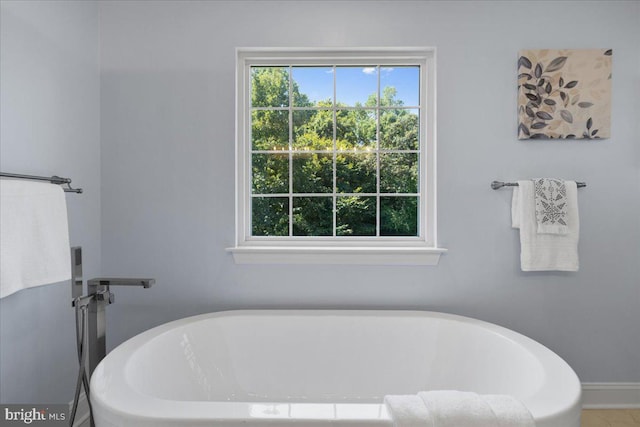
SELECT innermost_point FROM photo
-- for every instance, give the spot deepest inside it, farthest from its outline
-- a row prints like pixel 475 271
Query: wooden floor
pixel 611 418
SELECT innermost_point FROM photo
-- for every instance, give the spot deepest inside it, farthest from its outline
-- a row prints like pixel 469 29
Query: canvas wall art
pixel 564 93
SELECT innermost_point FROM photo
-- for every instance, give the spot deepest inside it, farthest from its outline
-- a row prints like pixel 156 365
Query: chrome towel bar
pixel 52 179
pixel 499 184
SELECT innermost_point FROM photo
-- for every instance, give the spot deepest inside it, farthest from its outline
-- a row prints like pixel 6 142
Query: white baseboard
pixel 82 413
pixel 610 395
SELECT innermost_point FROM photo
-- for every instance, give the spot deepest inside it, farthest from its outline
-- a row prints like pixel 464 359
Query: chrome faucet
pixel 145 283
pixel 98 296
pixel 99 288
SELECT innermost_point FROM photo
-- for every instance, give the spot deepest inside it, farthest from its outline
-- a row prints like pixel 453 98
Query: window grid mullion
pixel 337 194
pixel 378 213
pixel 337 152
pixel 335 156
pixel 290 153
pixel 342 107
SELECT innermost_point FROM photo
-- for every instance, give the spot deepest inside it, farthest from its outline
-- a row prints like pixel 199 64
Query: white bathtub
pixel 298 368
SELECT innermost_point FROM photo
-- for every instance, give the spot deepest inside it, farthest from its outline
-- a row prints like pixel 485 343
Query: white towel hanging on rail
pixel 34 235
pixel 545 252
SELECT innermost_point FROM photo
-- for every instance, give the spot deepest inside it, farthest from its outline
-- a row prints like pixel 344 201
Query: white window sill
pixel 334 255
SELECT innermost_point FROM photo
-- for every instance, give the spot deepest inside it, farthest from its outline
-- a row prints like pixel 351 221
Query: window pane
pixel 399 129
pixel 398 216
pixel 399 173
pixel 356 173
pixel 269 86
pixel 313 216
pixel 356 129
pixel 312 86
pixel 313 130
pixel 356 216
pixel 400 86
pixel 313 173
pixel 335 147
pixel 270 130
pixel 270 216
pixel 270 173
pixel 357 86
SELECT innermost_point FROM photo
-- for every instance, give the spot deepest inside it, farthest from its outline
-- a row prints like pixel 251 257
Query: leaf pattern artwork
pixel 564 93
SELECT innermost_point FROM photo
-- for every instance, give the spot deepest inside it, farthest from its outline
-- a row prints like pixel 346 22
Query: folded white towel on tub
pixel 545 252
pixel 450 408
pixel 509 411
pixel 34 235
pixel 408 411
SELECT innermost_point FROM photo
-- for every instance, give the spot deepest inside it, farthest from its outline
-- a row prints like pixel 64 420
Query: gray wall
pixel 167 111
pixel 149 135
pixel 50 124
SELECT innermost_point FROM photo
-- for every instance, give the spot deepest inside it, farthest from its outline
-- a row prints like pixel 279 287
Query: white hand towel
pixel 451 408
pixel 34 235
pixel 551 206
pixel 408 411
pixel 515 207
pixel 545 252
pixel 509 411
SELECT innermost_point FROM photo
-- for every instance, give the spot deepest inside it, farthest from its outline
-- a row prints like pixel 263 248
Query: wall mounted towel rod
pixel 499 184
pixel 52 179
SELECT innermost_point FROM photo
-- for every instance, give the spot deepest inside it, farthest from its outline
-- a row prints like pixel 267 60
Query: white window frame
pixel 420 250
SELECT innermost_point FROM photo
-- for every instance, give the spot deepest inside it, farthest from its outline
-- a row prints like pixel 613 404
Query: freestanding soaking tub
pixel 303 368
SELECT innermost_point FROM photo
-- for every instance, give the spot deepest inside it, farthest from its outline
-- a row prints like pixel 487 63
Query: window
pixel 336 156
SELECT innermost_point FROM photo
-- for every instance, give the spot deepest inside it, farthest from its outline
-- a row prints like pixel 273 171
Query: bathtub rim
pixel 120 399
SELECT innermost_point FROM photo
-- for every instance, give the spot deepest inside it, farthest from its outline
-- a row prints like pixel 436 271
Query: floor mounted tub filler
pixel 303 368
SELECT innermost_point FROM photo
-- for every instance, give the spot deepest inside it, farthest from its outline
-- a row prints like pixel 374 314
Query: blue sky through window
pixel 356 84
pixel 406 80
pixel 315 82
